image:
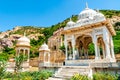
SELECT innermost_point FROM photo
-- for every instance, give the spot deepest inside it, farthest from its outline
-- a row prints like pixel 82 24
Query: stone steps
pixel 66 72
pixel 69 71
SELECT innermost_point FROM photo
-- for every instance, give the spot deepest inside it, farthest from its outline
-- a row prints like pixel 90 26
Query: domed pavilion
pixel 23 48
pixel 49 58
pixel 91 27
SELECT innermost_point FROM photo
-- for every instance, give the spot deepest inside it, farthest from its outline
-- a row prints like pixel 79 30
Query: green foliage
pixel 36 75
pixel 40 41
pixel 8 50
pixel 18 62
pixel 2 69
pixel 62 48
pixel 110 13
pixel 28 30
pixel 97 76
pixel 117 24
pixel 4 56
pixel 35 46
pixel 116 40
pixel 105 76
pixel 79 77
pixel 91 49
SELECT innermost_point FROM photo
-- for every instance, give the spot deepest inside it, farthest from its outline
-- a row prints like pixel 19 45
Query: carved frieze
pixel 98 30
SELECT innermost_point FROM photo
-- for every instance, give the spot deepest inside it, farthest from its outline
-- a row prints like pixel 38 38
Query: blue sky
pixel 45 12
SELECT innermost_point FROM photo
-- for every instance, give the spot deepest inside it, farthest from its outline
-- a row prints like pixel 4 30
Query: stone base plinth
pixel 11 67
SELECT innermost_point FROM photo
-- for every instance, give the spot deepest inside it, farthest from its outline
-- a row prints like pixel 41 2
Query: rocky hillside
pixel 8 38
pixel 39 35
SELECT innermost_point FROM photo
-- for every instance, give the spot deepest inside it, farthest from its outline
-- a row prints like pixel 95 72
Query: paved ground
pixel 34 69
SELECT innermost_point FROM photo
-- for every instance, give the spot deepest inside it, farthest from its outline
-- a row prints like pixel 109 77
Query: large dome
pixel 23 41
pixel 88 14
pixel 44 47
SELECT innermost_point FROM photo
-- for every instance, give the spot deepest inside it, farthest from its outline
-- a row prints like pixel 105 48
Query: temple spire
pixel 86 5
pixel 24 33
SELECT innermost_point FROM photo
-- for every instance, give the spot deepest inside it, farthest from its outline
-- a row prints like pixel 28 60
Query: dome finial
pixel 86 5
pixel 24 33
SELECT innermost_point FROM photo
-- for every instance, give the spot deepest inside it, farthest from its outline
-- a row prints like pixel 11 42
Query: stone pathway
pixel 66 72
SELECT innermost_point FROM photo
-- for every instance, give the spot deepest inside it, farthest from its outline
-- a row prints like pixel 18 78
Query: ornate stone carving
pixel 98 30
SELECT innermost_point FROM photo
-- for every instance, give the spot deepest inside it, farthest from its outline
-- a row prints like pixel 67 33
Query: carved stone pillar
pixel 24 52
pixel 103 51
pixel 66 49
pixel 112 48
pixel 98 51
pixel 28 55
pixel 107 46
pixel 95 46
pixel 73 46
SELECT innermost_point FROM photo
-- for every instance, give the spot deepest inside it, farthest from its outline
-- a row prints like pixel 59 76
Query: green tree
pixel 18 62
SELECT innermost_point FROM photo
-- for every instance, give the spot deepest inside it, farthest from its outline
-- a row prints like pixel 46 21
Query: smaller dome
pixel 44 47
pixel 100 14
pixel 70 23
pixel 23 41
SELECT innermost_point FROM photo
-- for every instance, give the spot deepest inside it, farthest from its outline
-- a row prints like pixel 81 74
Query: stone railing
pixel 78 62
pixel 50 64
pixel 104 65
pixel 92 63
pixel 12 64
pixel 83 23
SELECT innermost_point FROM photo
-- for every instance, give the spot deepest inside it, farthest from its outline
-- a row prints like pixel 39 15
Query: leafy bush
pixel 4 56
pixel 105 76
pixel 36 75
pixel 91 49
pixel 79 77
pixel 2 68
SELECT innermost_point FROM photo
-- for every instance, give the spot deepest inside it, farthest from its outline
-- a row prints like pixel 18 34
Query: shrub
pixel 36 75
pixel 2 68
pixel 4 56
pixel 79 77
pixel 105 76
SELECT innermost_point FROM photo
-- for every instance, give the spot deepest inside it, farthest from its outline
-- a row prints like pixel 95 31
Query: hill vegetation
pixel 47 32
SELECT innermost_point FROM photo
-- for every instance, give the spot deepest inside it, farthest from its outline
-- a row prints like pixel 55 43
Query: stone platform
pixel 11 66
pixel 84 67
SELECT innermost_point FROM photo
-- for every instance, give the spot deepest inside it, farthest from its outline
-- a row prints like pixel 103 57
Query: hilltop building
pixel 91 28
pixel 56 40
